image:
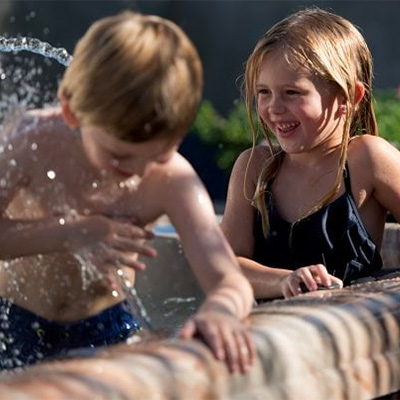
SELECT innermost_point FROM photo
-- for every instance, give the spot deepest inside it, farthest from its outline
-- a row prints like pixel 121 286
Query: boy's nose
pixel 143 168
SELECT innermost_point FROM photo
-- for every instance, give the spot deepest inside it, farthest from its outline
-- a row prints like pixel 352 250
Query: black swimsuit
pixel 334 236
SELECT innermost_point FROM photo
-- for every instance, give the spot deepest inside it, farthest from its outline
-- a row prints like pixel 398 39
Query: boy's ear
pixel 68 115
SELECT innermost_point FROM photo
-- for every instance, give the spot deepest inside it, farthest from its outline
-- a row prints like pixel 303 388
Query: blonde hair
pixel 138 76
pixel 331 48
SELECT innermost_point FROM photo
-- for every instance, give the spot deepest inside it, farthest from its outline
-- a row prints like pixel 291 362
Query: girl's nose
pixel 276 106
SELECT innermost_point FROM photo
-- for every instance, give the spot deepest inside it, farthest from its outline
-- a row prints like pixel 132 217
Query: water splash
pixel 20 88
pixel 36 46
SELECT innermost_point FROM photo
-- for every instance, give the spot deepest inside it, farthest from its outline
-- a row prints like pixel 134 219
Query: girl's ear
pixel 358 96
pixel 68 115
pixel 359 93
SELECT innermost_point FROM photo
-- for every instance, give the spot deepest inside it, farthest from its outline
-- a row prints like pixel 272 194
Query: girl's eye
pixel 292 92
pixel 263 91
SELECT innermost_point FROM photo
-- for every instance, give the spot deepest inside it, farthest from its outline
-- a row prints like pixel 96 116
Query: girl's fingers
pixel 320 272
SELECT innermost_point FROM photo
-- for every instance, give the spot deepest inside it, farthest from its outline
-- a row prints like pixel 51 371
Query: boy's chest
pixel 64 193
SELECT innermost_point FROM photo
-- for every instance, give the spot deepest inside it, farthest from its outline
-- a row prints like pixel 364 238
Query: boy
pixel 76 179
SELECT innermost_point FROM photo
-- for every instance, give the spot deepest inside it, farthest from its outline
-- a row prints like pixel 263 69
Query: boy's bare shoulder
pixel 36 126
pixel 176 174
pixel 177 166
pixel 42 120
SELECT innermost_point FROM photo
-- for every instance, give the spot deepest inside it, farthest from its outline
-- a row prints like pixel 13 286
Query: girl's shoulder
pixel 257 156
pixel 371 148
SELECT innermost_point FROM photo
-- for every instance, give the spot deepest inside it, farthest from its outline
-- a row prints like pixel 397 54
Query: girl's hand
pixel 312 277
pixel 227 337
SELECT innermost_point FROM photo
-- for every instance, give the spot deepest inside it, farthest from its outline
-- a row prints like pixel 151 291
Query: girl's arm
pixel 238 225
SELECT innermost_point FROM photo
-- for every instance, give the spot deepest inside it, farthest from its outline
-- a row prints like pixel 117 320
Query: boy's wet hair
pixel 330 48
pixel 137 76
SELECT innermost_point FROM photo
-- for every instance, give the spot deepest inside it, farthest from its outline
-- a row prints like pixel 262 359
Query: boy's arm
pixel 190 210
pixel 57 233
pixel 229 296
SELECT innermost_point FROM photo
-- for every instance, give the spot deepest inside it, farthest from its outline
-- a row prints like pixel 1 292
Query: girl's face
pixel 303 111
pixel 124 159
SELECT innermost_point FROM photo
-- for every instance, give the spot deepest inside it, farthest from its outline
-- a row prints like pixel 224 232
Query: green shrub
pixel 387 110
pixel 231 135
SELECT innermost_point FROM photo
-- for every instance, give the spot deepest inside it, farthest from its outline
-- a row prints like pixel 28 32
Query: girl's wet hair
pixel 137 76
pixel 331 48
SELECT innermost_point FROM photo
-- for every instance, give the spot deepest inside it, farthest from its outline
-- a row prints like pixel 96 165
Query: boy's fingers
pixel 132 246
pixel 212 337
pixel 232 350
pixel 188 330
pixel 250 347
pixel 246 350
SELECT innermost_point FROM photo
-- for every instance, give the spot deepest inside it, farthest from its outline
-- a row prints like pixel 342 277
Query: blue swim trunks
pixel 26 338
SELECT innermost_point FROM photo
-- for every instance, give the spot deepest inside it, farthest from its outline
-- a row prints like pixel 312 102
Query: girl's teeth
pixel 288 126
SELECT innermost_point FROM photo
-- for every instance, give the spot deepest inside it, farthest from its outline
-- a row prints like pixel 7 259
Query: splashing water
pixel 36 46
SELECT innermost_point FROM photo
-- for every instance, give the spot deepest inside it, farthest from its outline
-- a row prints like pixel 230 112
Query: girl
pixel 310 209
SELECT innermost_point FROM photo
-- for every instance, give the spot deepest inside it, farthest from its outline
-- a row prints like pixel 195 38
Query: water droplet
pixel 201 199
pixel 51 174
pixel 34 146
pixel 61 221
pixel 114 293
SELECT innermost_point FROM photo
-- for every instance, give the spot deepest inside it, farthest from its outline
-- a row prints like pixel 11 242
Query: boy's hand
pixel 308 278
pixel 121 239
pixel 227 337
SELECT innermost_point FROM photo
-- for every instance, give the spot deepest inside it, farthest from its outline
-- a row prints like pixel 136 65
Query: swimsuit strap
pixel 347 181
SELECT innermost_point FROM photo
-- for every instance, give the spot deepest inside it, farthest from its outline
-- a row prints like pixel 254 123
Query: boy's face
pixel 124 159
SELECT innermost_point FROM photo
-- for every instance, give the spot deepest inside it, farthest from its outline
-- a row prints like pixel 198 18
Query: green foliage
pixel 387 110
pixel 232 134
